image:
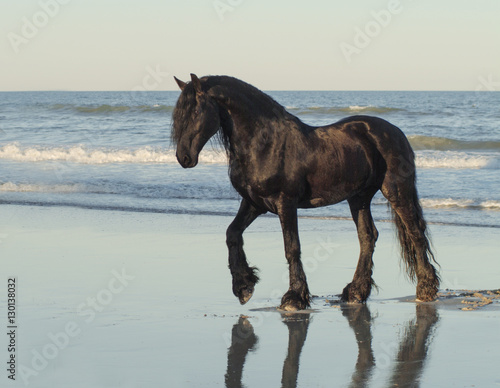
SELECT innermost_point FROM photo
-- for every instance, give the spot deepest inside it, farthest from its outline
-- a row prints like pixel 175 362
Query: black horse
pixel 279 164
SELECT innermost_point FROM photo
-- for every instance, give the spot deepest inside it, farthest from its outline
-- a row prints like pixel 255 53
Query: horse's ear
pixel 181 84
pixel 196 83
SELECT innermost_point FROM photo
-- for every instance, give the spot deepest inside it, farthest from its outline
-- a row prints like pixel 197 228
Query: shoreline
pixel 186 212
pixel 329 247
pixel 102 290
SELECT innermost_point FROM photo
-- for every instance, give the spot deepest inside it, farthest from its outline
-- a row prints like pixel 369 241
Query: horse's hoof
pixel 243 284
pixel 245 294
pixel 289 307
pixel 352 300
pixel 291 301
pixel 352 294
pixel 427 291
pixel 425 298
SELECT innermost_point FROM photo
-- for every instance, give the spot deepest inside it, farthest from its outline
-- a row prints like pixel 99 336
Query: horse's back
pixel 395 150
pixel 375 127
pixel 374 146
pixel 387 138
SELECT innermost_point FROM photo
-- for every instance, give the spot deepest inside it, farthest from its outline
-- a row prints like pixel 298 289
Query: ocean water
pixel 111 150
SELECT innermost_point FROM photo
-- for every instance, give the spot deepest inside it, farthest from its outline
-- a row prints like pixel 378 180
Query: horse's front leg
pixel 244 276
pixel 297 297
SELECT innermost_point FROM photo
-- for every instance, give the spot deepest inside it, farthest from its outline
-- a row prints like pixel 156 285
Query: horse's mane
pixel 262 105
pixel 248 95
pixel 180 116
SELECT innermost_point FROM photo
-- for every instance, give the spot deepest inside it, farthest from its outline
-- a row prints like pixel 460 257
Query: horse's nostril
pixel 186 160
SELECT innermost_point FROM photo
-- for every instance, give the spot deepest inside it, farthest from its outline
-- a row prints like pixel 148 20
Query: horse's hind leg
pixel 412 232
pixel 360 287
pixel 244 276
pixel 416 252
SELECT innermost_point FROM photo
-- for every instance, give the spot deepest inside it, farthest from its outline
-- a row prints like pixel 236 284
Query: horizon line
pixel 264 90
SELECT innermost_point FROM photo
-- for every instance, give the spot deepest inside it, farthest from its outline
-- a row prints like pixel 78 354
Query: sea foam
pixel 85 155
pixel 442 203
pixel 457 160
pixel 147 154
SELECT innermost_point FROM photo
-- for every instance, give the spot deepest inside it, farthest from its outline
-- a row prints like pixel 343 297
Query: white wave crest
pixel 493 205
pixel 40 188
pixel 457 160
pixel 83 155
pixel 355 108
pixel 441 203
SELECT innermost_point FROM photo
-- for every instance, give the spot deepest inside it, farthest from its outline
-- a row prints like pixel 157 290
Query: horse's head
pixel 195 120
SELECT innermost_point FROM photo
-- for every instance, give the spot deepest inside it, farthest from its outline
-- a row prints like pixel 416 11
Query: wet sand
pixel 117 299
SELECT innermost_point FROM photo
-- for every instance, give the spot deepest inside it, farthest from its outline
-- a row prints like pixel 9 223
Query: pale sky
pixel 275 45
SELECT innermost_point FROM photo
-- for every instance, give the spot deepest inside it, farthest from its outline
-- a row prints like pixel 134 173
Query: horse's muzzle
pixel 186 160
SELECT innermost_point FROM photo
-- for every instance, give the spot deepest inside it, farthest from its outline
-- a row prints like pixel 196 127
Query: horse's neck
pixel 248 103
pixel 250 111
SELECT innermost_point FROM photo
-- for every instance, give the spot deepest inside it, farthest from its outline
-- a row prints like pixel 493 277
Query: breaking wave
pixel 10 187
pixel 83 155
pixel 442 144
pixel 104 155
pixel 355 109
pixel 109 109
pixel 457 160
pixel 310 110
pixel 450 203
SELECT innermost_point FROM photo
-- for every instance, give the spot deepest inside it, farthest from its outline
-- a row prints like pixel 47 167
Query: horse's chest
pixel 256 185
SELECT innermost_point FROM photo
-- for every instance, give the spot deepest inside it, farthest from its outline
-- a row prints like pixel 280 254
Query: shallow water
pixel 170 318
pixel 112 150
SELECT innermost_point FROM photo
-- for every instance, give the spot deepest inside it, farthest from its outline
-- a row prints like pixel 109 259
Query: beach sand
pixel 121 299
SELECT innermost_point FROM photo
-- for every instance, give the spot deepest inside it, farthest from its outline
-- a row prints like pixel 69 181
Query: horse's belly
pixel 330 190
pixel 330 199
pixel 333 182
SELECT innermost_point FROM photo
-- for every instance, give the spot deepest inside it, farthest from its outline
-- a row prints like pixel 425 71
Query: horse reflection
pixel 243 339
pixel 297 332
pixel 360 321
pixel 413 347
pixel 409 361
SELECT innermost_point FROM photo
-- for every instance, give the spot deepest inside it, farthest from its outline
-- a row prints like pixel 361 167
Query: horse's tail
pixel 399 186
pixel 410 243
